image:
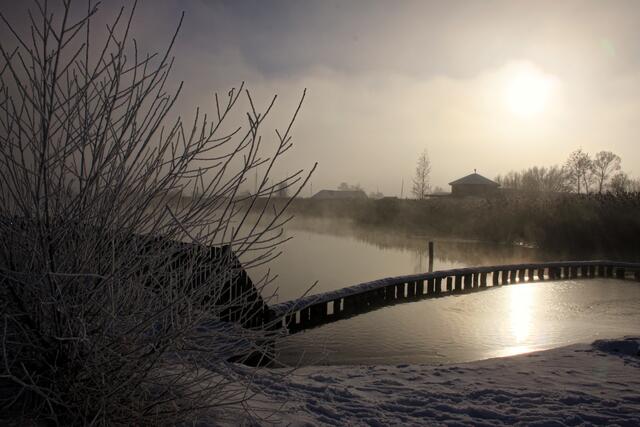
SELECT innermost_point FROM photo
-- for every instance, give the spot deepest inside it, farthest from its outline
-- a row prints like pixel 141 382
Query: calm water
pixel 498 322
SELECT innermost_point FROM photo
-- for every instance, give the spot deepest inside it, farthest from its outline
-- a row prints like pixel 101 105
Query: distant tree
pixel 346 187
pixel 579 168
pixel 620 183
pixel 376 195
pixel 282 190
pixel 511 180
pixel 604 164
pixel 438 190
pixel 421 184
pixel 535 179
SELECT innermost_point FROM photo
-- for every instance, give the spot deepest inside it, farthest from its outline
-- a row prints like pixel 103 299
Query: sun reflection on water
pixel 522 299
pixel 521 305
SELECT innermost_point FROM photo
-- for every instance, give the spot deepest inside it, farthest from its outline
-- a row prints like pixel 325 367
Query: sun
pixel 528 92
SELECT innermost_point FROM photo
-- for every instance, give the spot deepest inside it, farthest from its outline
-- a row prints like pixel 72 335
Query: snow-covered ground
pixel 597 384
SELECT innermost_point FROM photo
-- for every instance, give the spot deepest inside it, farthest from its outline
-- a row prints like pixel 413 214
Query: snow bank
pixel 575 385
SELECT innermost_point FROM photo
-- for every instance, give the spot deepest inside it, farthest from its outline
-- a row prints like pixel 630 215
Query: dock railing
pixel 316 310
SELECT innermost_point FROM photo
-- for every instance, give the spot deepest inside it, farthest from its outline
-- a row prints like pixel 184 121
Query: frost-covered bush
pixel 114 305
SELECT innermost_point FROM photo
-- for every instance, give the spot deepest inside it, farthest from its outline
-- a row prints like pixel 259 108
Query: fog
pixel 384 82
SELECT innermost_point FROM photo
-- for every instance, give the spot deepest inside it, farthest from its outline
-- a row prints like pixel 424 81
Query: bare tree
pixel 579 167
pixel 421 185
pixel 116 309
pixel 604 164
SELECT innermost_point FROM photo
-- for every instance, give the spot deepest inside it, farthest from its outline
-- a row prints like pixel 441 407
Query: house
pixel 473 185
pixel 340 194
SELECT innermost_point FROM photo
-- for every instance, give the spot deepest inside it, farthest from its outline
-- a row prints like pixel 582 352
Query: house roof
pixel 340 194
pixel 474 179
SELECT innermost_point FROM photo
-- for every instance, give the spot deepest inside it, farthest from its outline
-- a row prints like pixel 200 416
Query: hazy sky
pixel 492 85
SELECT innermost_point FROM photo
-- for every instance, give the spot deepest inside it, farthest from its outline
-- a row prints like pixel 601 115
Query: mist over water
pixel 337 254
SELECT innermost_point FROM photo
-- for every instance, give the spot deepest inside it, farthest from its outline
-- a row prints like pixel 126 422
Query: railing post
pixel 438 284
pixel 305 317
pixel 411 289
pixel 458 287
pixel 449 284
pixel 530 272
pixel 390 293
pixel 336 307
pixel 420 287
pixel 290 321
pixel 318 313
pixel 521 275
pixel 540 273
pixel 503 275
pixel 552 273
pixel 483 279
pixel 495 278
pixel 468 282
pixel 432 285
pixel 512 276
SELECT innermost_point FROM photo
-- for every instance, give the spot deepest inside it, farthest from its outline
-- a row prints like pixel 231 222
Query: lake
pixel 497 322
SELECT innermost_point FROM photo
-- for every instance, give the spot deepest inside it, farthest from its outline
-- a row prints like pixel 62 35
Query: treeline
pixel 576 225
pixel 581 173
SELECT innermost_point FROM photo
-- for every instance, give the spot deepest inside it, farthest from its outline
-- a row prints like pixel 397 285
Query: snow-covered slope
pixel 576 385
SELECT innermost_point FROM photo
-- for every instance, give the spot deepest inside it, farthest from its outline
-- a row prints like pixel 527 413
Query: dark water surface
pixel 497 322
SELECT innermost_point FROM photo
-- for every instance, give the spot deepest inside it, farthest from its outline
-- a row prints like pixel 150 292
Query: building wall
pixel 473 190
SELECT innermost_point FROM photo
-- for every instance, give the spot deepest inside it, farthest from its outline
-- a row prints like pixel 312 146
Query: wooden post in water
pixel 430 256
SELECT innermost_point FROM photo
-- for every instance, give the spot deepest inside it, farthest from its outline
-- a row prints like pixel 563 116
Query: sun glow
pixel 528 91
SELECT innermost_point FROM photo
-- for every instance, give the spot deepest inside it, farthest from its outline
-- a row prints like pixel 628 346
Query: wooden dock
pixel 316 310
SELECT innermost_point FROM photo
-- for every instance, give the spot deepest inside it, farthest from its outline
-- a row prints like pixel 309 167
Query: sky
pixel 487 85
